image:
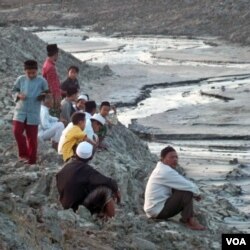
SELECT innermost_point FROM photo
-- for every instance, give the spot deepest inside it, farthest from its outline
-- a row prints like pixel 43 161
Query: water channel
pixel 206 160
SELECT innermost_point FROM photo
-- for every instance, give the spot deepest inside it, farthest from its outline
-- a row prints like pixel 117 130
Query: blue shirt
pixel 29 108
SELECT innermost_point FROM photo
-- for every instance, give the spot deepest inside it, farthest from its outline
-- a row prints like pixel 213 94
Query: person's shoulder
pixel 21 78
pixel 41 79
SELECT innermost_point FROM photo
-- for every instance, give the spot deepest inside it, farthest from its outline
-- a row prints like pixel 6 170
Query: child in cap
pixel 80 103
pixel 71 81
pixel 27 92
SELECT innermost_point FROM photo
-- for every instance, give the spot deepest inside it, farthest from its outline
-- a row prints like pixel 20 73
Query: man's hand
pixel 21 96
pixel 118 197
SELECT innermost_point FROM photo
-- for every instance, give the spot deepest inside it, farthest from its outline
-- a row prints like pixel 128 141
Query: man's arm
pixel 176 181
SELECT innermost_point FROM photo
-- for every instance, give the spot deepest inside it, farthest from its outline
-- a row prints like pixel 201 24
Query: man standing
pixel 80 184
pixel 169 193
pixel 50 74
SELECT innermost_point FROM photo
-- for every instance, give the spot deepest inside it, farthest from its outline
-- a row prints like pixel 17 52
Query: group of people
pixel 76 132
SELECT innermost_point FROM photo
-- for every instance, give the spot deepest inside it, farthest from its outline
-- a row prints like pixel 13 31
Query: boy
pixel 67 108
pixel 71 81
pixel 27 89
pixel 50 127
pixel 104 112
pixel 80 103
pixel 49 72
pixel 72 136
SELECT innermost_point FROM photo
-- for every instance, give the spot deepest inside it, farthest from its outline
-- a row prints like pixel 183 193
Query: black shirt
pixel 77 179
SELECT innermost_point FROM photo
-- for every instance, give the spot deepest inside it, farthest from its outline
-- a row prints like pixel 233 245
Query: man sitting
pixel 80 103
pixel 80 184
pixel 50 128
pixel 169 193
pixel 72 136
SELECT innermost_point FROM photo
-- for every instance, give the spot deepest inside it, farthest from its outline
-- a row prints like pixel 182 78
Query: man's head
pixel 73 72
pixel 97 122
pixel 90 107
pixel 52 51
pixel 84 151
pixel 105 108
pixel 169 156
pixel 72 93
pixel 81 100
pixel 30 68
pixel 48 101
pixel 78 119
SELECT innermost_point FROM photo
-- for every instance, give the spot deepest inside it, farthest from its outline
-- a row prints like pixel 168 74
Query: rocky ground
pixel 227 19
pixel 32 218
pixel 30 214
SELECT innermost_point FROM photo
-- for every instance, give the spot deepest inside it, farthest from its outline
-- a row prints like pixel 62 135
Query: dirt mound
pixel 228 19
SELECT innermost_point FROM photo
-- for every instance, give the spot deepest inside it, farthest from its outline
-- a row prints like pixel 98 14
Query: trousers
pixel 178 202
pixel 26 138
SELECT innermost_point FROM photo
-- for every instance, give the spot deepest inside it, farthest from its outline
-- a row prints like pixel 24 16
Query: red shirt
pixel 50 74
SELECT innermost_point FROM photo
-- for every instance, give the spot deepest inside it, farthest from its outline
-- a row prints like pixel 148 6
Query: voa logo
pixel 236 241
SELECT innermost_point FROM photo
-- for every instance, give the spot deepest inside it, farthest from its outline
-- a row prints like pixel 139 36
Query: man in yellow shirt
pixel 74 136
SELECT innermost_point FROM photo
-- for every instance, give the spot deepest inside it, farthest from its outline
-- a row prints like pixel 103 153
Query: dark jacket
pixel 76 180
pixel 70 84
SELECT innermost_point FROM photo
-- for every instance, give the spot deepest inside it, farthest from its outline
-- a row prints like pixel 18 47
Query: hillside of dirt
pixel 227 19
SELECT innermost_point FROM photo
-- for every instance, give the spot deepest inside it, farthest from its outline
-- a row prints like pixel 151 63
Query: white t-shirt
pixel 159 188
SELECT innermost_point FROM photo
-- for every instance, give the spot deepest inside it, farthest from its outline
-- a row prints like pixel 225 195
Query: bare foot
pixel 194 225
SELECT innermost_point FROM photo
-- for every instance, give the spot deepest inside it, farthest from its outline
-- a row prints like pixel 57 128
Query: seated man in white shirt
pixel 50 128
pixel 168 193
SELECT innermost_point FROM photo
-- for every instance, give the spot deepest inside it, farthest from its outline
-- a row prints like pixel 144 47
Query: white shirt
pixel 88 130
pixel 159 188
pixel 46 120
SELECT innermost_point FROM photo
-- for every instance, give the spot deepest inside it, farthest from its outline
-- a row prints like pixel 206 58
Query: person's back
pixel 50 74
pixel 73 136
pixel 80 184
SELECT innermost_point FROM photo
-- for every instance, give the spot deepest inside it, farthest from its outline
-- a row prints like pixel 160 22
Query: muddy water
pixel 200 60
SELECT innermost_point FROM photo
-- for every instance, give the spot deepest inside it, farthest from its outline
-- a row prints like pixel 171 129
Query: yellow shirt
pixel 72 138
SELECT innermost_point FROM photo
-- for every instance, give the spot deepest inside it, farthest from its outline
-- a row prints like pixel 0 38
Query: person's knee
pixel 186 196
pixel 60 126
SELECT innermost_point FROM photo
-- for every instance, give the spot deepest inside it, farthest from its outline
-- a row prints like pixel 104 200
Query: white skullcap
pixel 99 118
pixel 84 150
pixel 82 97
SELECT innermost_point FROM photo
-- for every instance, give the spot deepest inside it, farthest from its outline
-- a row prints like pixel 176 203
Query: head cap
pixel 99 118
pixel 84 150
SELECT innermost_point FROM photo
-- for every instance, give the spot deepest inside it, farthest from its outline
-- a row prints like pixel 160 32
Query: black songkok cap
pixel 52 49
pixel 167 150
pixel 30 64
